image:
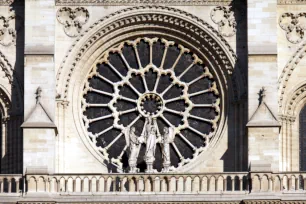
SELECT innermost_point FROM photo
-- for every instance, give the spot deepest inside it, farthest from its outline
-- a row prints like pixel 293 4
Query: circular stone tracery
pixel 150 105
pixel 150 77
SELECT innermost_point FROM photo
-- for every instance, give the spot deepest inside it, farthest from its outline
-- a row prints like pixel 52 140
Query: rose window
pixel 150 78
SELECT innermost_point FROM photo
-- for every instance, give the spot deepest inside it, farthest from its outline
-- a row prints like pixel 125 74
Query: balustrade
pixel 148 183
pixel 10 183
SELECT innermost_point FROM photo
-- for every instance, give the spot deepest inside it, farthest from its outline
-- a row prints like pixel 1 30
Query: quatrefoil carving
pixel 294 25
pixel 73 19
pixel 7 30
pixel 224 17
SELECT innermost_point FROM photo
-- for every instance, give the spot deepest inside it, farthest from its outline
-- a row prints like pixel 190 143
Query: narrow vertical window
pixel 303 139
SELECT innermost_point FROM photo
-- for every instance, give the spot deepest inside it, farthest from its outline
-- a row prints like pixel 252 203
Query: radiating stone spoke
pixel 105 130
pixel 125 62
pixel 177 151
pixel 110 144
pixel 167 89
pixel 137 56
pixel 100 118
pixel 199 118
pixel 174 99
pixel 185 71
pixel 199 93
pixel 105 79
pixel 134 121
pixel 115 70
pixel 127 111
pixel 174 111
pixel 187 141
pixel 145 83
pixel 197 132
pixel 127 99
pixel 203 105
pixel 166 120
pixel 122 77
pixel 96 105
pixel 100 92
pixel 196 79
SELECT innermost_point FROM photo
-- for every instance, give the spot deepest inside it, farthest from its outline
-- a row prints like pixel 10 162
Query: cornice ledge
pixel 292 2
pixel 141 2
pixel 6 2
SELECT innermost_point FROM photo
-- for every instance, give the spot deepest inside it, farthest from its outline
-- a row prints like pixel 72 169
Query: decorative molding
pixel 72 19
pixel 291 2
pixel 6 2
pixel 288 118
pixel 6 67
pixel 294 26
pixel 142 2
pixel 7 32
pixel 224 17
pixel 152 17
pixel 292 63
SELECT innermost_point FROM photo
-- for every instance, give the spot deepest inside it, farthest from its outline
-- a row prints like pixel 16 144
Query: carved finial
pixel 262 95
pixel 38 95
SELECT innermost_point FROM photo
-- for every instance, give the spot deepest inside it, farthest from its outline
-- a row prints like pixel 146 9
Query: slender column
pixel 241 184
pixel 82 184
pixel 9 180
pixel 121 185
pixel 58 185
pixel 153 184
pixel 97 185
pixel 225 184
pixel 233 183
pixel 200 183
pixel 17 185
pixel 130 185
pixel 89 185
pixel 105 185
pixel 271 184
pixel 66 184
pixel 114 184
pixel 74 185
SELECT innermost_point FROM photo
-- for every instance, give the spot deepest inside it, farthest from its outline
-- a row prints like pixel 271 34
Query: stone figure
pixel 134 143
pixel 151 138
pixel 167 138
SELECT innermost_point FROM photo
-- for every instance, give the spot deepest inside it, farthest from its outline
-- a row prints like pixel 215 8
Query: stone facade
pixel 70 67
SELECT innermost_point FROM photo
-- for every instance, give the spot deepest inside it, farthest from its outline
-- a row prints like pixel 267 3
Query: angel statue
pixel 167 138
pixel 134 143
pixel 151 138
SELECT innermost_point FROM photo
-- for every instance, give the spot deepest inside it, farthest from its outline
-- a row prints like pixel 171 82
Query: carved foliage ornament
pixel 7 30
pixel 138 2
pixel 224 17
pixel 294 25
pixel 72 19
pixel 145 91
pixel 6 2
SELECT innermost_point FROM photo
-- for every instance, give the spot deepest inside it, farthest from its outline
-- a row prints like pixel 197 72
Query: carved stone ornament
pixel 294 25
pixel 291 2
pixel 224 17
pixel 152 92
pixel 7 30
pixel 72 19
pixel 6 2
pixel 139 2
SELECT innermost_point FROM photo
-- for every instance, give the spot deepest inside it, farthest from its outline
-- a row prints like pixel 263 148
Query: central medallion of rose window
pixel 150 105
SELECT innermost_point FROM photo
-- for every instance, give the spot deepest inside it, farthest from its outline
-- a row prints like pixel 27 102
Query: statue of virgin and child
pixel 150 136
